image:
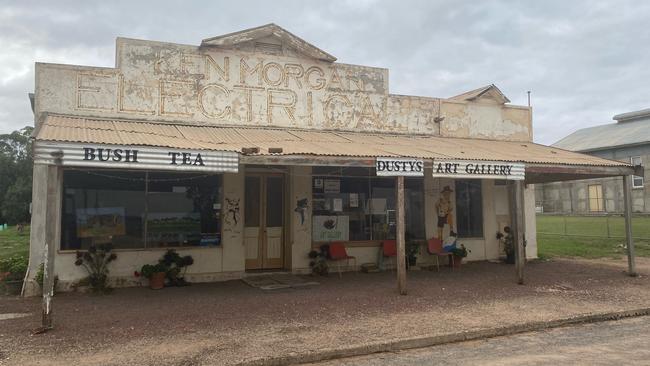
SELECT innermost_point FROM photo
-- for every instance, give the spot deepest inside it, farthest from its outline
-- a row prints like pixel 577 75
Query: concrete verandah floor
pixel 229 322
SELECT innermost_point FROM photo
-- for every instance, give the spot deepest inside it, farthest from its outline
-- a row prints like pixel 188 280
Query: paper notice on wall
pixel 332 186
pixel 337 204
pixel 354 200
pixel 330 228
pixel 318 183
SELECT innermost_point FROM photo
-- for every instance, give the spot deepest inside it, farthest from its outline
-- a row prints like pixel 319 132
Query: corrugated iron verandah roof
pixel 300 142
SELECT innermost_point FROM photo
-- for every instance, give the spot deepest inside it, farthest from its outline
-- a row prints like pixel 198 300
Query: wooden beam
pixel 517 227
pixel 627 197
pixel 401 245
pixel 52 231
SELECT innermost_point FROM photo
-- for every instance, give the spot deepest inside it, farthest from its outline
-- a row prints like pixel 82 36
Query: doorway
pixel 264 221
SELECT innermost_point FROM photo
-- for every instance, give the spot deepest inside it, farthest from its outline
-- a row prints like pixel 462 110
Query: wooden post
pixel 52 230
pixel 517 218
pixel 401 246
pixel 627 196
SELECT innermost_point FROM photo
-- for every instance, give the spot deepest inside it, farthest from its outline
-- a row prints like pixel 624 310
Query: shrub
pixel 95 260
pixel 16 266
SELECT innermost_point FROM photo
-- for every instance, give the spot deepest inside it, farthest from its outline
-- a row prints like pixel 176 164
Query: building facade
pixel 252 148
pixel 627 140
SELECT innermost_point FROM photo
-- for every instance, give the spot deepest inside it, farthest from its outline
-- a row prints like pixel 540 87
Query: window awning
pixel 268 145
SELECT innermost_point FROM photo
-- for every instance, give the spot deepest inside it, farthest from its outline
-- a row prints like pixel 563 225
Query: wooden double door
pixel 264 221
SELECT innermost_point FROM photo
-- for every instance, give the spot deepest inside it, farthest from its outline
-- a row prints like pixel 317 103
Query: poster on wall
pixel 330 228
pixel 354 200
pixel 332 186
pixel 99 222
pixel 337 204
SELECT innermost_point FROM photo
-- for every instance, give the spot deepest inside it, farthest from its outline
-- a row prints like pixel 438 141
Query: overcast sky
pixel 583 61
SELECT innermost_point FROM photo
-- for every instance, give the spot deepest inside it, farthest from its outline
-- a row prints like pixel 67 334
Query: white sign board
pixel 330 228
pixel 478 170
pixel 135 157
pixel 400 167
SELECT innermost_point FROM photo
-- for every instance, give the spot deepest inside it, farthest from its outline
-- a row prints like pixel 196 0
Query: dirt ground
pixel 230 322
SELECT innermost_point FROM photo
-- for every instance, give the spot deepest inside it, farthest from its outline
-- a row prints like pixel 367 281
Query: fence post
pixel 607 218
pixel 565 233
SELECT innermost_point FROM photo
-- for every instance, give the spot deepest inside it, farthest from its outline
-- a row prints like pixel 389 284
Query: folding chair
pixel 434 247
pixel 338 254
pixel 389 249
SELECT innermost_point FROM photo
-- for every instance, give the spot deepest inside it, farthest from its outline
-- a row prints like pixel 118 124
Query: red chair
pixel 389 249
pixel 338 254
pixel 434 247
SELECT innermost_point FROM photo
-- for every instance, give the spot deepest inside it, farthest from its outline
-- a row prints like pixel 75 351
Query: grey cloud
pixel 584 61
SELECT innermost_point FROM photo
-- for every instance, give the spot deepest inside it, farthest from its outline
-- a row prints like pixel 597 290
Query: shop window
pixel 363 205
pixel 469 208
pixel 637 182
pixel 133 210
pixel 595 198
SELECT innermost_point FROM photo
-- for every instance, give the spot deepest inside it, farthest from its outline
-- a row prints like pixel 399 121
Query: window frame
pixel 634 177
pixel 600 199
pixel 146 172
pixel 456 210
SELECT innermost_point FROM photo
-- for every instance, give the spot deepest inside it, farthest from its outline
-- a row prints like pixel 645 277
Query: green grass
pixel 588 236
pixel 13 243
pixel 593 225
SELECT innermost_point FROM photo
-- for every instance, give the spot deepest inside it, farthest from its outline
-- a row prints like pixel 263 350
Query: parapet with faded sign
pixel 269 82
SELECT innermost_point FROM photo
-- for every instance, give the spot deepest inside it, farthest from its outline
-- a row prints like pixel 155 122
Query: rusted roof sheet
pixel 304 142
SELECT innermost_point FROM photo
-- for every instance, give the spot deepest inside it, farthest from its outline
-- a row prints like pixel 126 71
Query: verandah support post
pixel 517 218
pixel 401 246
pixel 627 197
pixel 52 225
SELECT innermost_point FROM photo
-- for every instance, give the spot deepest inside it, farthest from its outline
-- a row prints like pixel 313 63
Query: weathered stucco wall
pixel 166 82
pixel 300 189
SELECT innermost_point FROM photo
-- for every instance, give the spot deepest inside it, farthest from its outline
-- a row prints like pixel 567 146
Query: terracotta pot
pixel 157 281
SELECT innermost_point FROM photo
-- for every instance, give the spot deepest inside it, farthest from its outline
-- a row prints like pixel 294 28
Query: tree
pixel 16 164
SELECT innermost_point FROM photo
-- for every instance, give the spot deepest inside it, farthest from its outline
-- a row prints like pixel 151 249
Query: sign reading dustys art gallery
pixel 478 170
pixel 135 157
pixel 399 167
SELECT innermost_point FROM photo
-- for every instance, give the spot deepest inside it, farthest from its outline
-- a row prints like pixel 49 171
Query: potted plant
pixel 175 263
pixel 318 260
pixel 12 273
pixel 508 244
pixel 412 251
pixel 459 254
pixel 155 273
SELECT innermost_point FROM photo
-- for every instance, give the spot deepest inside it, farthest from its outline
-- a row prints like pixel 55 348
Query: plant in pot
pixel 459 254
pixel 175 264
pixel 412 251
pixel 508 244
pixel 12 273
pixel 155 273
pixel 318 260
pixel 95 261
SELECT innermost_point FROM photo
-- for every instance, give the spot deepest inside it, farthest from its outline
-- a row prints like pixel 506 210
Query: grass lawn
pixel 593 225
pixel 14 243
pixel 552 243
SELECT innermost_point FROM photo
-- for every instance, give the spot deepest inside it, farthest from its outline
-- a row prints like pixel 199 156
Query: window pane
pixel 102 207
pixel 345 196
pixel 183 210
pixel 274 200
pixel 252 202
pixel 414 204
pixel 469 208
pixel 382 212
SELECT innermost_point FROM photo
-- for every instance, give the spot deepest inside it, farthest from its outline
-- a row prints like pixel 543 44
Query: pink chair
pixel 389 249
pixel 338 254
pixel 434 247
